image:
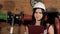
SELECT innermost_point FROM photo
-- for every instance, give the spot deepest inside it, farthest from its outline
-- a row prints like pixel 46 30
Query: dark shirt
pixel 35 29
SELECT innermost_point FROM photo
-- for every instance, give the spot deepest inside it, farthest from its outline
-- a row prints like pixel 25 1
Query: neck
pixel 37 23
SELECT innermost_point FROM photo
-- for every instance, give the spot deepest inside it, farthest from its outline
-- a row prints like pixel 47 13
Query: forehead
pixel 38 10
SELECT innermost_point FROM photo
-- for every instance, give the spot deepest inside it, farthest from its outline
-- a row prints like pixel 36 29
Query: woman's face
pixel 38 14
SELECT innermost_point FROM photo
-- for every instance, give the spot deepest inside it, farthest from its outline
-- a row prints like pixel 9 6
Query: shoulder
pixel 26 29
pixel 49 26
pixel 51 29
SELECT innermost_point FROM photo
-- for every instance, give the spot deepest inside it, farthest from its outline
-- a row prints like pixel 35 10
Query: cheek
pixel 40 16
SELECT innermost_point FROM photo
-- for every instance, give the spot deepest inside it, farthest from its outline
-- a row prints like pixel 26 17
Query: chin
pixel 38 19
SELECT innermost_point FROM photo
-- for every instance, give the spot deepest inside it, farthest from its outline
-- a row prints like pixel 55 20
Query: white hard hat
pixel 39 5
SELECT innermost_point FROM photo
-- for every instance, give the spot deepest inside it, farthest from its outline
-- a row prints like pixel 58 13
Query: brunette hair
pixel 42 20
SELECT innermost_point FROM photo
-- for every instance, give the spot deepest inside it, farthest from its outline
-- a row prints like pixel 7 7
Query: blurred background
pixel 18 13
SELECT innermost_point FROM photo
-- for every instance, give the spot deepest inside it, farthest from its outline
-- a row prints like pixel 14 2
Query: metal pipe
pixel 12 25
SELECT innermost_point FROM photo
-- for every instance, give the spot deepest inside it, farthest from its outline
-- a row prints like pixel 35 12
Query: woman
pixel 38 25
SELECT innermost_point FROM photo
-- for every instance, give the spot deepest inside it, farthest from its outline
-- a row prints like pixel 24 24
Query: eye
pixel 40 12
